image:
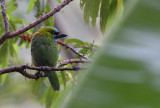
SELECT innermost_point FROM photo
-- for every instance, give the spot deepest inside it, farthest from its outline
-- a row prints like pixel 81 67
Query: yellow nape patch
pixel 37 33
pixel 47 29
pixel 32 64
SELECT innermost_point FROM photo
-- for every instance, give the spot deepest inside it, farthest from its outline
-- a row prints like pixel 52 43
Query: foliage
pixel 125 74
pixel 109 11
pixel 10 46
pixel 86 47
pixel 31 5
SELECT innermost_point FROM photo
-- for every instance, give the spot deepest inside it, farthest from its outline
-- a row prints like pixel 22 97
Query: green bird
pixel 44 51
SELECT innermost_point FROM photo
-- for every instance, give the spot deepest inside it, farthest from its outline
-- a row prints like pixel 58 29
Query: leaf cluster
pixel 106 11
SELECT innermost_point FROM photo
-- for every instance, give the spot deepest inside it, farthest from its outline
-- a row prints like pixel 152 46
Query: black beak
pixel 60 36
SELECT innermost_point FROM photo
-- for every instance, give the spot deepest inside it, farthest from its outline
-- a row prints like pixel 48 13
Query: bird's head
pixel 54 32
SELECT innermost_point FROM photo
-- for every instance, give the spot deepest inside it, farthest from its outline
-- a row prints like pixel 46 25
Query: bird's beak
pixel 60 36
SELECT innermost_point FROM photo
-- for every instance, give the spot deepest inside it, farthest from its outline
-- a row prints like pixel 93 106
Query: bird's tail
pixel 53 79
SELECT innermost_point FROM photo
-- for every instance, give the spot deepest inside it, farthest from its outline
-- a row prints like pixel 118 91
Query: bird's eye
pixel 54 32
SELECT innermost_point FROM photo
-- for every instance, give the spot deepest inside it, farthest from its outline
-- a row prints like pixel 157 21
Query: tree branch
pixel 72 49
pixel 5 16
pixel 33 24
pixel 22 68
pixel 87 47
pixel 73 61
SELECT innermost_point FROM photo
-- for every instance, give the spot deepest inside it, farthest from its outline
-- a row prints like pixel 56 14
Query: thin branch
pixel 73 61
pixel 72 49
pixel 87 47
pixel 33 24
pixel 5 16
pixel 22 70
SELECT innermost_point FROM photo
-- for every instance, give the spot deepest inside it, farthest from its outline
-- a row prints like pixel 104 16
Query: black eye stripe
pixel 54 32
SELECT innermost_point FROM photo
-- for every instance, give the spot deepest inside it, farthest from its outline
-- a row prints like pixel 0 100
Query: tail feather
pixel 53 78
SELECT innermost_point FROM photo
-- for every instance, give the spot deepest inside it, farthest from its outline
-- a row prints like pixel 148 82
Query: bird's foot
pixel 37 75
pixel 24 71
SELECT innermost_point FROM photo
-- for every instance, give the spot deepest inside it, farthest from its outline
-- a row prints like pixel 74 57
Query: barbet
pixel 44 51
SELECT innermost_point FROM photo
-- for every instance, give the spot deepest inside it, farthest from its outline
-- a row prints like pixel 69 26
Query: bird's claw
pixel 37 75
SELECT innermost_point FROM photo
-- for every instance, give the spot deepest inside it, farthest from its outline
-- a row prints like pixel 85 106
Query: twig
pixel 72 49
pixel 5 16
pixel 33 24
pixel 73 61
pixel 87 47
pixel 22 70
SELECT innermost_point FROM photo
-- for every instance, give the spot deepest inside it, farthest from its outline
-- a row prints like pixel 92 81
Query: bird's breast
pixel 44 51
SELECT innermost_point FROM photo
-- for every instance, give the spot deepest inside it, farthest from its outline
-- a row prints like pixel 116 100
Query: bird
pixel 44 51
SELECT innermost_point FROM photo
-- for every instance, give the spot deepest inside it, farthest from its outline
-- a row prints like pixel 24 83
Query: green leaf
pixel 36 85
pixel 49 21
pixel 70 75
pixel 50 95
pixel 3 60
pixel 63 74
pixel 83 51
pixel 27 44
pixel 3 78
pixel 109 11
pixel 13 49
pixel 38 8
pixel 62 95
pixel 4 55
pixel 76 41
pixel 125 74
pixel 104 13
pixel 11 8
pixel 2 28
pixel 59 1
pixel 31 5
pixel 115 12
pixel 21 43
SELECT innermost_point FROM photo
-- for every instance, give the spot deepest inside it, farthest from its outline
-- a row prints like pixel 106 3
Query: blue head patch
pixel 54 29
pixel 54 32
pixel 55 40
